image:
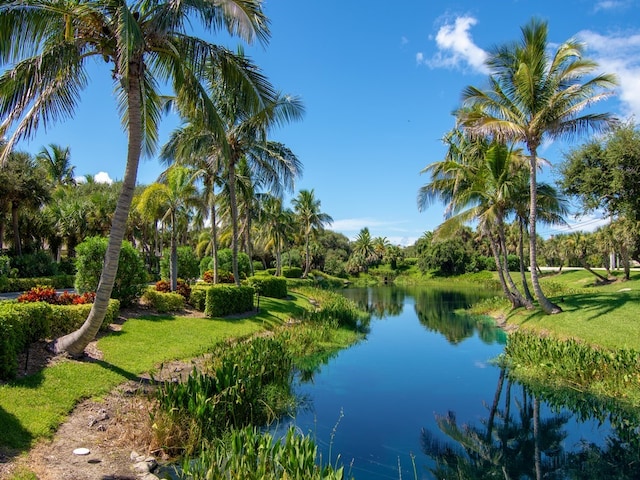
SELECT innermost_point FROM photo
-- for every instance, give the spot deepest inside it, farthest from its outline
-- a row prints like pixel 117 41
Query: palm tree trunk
pixel 512 285
pixel 525 284
pixel 307 258
pixel 214 235
pixel 75 342
pixel 17 244
pixel 173 258
pixel 547 306
pixel 234 220
pixel 515 303
pixel 536 438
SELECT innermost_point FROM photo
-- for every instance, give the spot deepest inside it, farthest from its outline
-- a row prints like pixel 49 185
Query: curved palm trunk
pixel 512 285
pixel 513 298
pixel 536 438
pixel 75 342
pixel 547 305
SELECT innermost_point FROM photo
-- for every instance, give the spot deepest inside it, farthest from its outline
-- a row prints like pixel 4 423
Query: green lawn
pixel 606 315
pixel 34 406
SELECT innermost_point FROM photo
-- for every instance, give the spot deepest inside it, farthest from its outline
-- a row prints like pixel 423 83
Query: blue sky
pixel 379 81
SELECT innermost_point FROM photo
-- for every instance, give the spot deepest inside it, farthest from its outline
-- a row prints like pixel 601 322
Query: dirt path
pixel 113 429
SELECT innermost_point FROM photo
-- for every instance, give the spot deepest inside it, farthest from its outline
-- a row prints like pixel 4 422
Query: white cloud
pixel 103 177
pixel 456 48
pixel 609 5
pixel 619 54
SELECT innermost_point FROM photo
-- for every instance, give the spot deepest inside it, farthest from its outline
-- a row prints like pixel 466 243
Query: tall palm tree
pixel 174 196
pixel 57 160
pixel 277 226
pixel 307 209
pixel 476 181
pixel 243 137
pixel 47 45
pixel 533 96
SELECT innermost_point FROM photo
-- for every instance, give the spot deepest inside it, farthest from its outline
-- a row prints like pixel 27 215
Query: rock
pixel 149 476
pixel 147 465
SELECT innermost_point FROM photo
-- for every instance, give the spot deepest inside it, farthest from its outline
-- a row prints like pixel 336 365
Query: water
pixel 422 387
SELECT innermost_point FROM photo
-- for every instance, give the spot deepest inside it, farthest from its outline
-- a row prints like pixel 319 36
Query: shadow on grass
pixel 14 436
pixel 591 305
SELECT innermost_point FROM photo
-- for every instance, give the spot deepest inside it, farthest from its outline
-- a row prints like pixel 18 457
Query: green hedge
pixel 288 272
pixel 222 300
pixel 23 323
pixel 163 302
pixel 23 284
pixel 198 296
pixel 275 287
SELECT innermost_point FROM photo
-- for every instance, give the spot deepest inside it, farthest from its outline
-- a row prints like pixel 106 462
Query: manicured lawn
pixel 607 315
pixel 33 407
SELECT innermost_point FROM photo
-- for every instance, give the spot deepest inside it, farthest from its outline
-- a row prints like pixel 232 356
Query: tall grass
pixel 248 454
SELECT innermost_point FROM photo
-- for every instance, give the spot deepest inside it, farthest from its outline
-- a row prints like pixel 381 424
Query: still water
pixel 421 398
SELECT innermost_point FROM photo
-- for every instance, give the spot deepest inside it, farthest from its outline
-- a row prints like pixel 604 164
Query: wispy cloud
pixel 456 49
pixel 619 54
pixel 610 5
pixel 392 230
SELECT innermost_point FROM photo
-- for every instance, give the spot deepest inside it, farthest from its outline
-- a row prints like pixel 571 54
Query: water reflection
pixel 528 438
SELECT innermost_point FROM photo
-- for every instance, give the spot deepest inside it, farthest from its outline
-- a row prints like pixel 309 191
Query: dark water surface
pixel 422 387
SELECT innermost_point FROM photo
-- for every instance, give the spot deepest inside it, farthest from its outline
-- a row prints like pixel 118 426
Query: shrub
pixel 224 300
pixel 188 264
pixel 24 284
pixel 38 264
pixel 23 323
pixel 131 277
pixel 274 287
pixel 163 302
pixel 198 297
pixel 5 265
pixel 224 276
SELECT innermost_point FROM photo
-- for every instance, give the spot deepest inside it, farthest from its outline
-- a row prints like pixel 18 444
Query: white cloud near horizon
pixel 100 177
pixel 456 49
pixel 619 54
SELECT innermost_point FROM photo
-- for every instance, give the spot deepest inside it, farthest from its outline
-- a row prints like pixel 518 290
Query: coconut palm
pixel 57 161
pixel 476 181
pixel 307 209
pixel 277 225
pixel 243 138
pixel 533 96
pixel 47 45
pixel 175 195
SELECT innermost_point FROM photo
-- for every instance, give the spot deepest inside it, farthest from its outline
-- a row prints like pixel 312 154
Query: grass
pixel 33 407
pixel 605 316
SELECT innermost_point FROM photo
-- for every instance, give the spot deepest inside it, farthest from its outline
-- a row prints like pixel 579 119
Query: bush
pixel 224 276
pixel 222 300
pixel 23 323
pixel 130 280
pixel 24 284
pixel 163 302
pixel 188 264
pixel 274 287
pixel 38 264
pixel 49 295
pixel 225 263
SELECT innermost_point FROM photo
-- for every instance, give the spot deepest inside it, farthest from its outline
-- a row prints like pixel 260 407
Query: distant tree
pixel 307 209
pixel 56 159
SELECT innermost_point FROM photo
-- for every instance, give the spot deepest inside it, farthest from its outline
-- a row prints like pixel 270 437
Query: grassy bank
pixel 33 407
pixel 592 347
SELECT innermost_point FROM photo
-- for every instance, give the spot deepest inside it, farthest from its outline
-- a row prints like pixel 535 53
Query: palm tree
pixel 307 209
pixel 534 96
pixel 243 138
pixel 277 225
pixel 57 160
pixel 363 251
pixel 47 45
pixel 175 196
pixel 476 181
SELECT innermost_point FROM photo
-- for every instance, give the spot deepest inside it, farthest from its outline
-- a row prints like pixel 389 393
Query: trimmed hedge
pixel 222 300
pixel 288 272
pixel 23 284
pixel 274 287
pixel 23 323
pixel 163 302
